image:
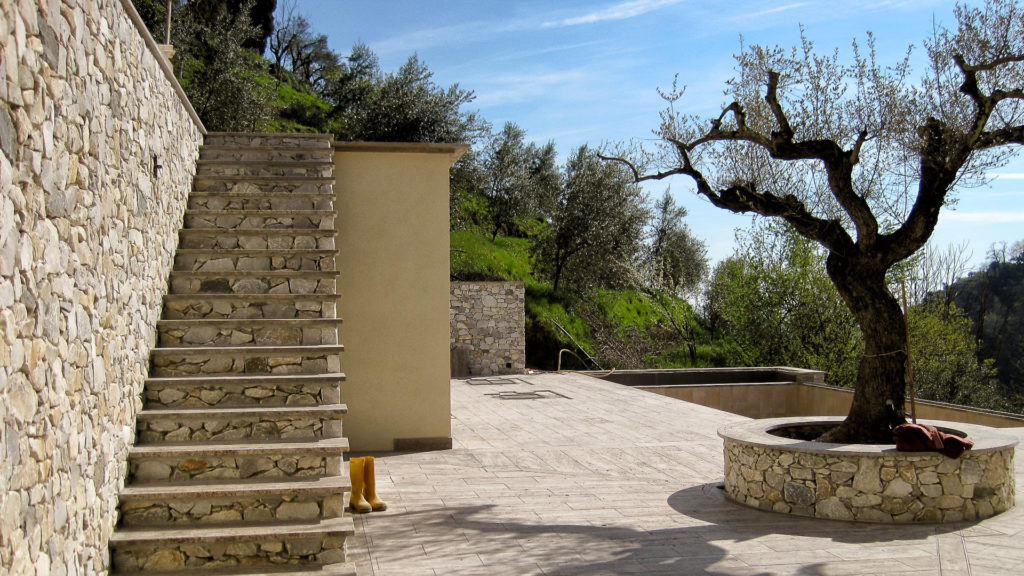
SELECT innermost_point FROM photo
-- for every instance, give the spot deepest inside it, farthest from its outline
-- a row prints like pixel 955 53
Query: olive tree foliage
pixel 216 69
pixel 520 179
pixel 595 226
pixel 859 157
pixel 675 261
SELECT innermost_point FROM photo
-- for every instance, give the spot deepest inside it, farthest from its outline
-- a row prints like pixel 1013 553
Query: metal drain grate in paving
pixel 531 395
pixel 497 382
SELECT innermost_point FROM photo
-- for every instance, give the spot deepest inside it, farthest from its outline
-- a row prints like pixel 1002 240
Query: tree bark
pixel 878 402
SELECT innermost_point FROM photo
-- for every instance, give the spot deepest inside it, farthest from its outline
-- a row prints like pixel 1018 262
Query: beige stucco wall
pixel 392 202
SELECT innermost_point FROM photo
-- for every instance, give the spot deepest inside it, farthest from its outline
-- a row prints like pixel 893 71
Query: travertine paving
pixel 567 475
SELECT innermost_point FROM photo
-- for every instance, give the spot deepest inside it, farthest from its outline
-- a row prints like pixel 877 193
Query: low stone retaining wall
pixel 868 483
pixel 488 328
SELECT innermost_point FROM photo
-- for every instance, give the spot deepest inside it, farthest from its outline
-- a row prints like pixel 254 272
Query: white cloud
pixel 620 11
pixel 775 10
pixel 1008 217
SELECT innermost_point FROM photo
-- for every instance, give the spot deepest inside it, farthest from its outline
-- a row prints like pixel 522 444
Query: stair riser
pixel 229 240
pixel 218 263
pixel 259 203
pixel 167 429
pixel 200 308
pixel 243 335
pixel 207 395
pixel 277 189
pixel 266 155
pixel 262 169
pixel 259 221
pixel 287 141
pixel 213 511
pixel 200 468
pixel 186 558
pixel 170 364
pixel 250 285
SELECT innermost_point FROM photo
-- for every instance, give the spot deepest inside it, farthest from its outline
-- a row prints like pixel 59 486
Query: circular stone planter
pixel 864 482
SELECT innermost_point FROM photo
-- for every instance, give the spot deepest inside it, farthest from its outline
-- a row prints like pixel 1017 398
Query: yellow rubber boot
pixel 356 502
pixel 371 486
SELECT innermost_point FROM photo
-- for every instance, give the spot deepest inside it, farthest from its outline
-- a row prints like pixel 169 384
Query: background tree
pixel 507 165
pixel 945 361
pixel 596 229
pixel 404 106
pixel 218 73
pixel 859 158
pixel 675 260
pixel 993 299
pixel 774 301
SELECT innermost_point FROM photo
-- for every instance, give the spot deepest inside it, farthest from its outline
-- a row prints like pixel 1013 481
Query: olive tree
pixel 860 158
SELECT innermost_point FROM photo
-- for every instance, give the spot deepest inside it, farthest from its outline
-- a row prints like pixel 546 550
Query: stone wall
pixel 88 228
pixel 868 483
pixel 488 333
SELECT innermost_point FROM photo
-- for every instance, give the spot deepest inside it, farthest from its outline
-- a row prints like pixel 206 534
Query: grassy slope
pixel 628 319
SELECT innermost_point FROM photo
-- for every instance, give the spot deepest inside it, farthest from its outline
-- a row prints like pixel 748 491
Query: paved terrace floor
pixel 581 476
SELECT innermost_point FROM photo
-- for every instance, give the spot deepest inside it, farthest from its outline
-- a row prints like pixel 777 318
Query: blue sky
pixel 587 72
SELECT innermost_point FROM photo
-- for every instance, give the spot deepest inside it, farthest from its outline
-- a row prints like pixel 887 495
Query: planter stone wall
pixel 88 229
pixel 488 328
pixel 864 482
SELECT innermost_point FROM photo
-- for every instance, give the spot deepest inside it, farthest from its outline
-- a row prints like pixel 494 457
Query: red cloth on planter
pixel 924 438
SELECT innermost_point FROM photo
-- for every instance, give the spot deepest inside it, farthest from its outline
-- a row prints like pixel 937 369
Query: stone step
pixel 180 361
pixel 279 187
pixel 275 239
pixel 260 201
pixel 241 332
pixel 243 390
pixel 267 153
pixel 237 424
pixel 254 282
pixel 245 169
pixel 190 548
pixel 194 306
pixel 268 139
pixel 198 461
pixel 260 219
pixel 150 505
pixel 224 259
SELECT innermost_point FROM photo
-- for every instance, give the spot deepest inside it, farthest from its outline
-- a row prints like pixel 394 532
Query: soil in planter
pixel 811 432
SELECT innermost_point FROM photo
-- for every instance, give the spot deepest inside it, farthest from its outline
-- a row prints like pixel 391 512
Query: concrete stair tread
pixel 274 163
pixel 247 322
pixel 246 379
pixel 348 569
pixel 236 489
pixel 236 448
pixel 258 232
pixel 250 350
pixel 240 212
pixel 281 179
pixel 317 411
pixel 242 252
pixel 256 273
pixel 229 532
pixel 317 296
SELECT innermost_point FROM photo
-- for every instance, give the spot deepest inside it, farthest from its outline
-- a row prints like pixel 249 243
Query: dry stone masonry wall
pixel 88 229
pixel 488 334
pixel 868 484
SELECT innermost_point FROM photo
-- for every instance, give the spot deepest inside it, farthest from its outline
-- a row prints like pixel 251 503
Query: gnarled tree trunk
pixel 878 402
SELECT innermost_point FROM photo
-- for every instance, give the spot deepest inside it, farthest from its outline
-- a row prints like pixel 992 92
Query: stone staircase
pixel 238 462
